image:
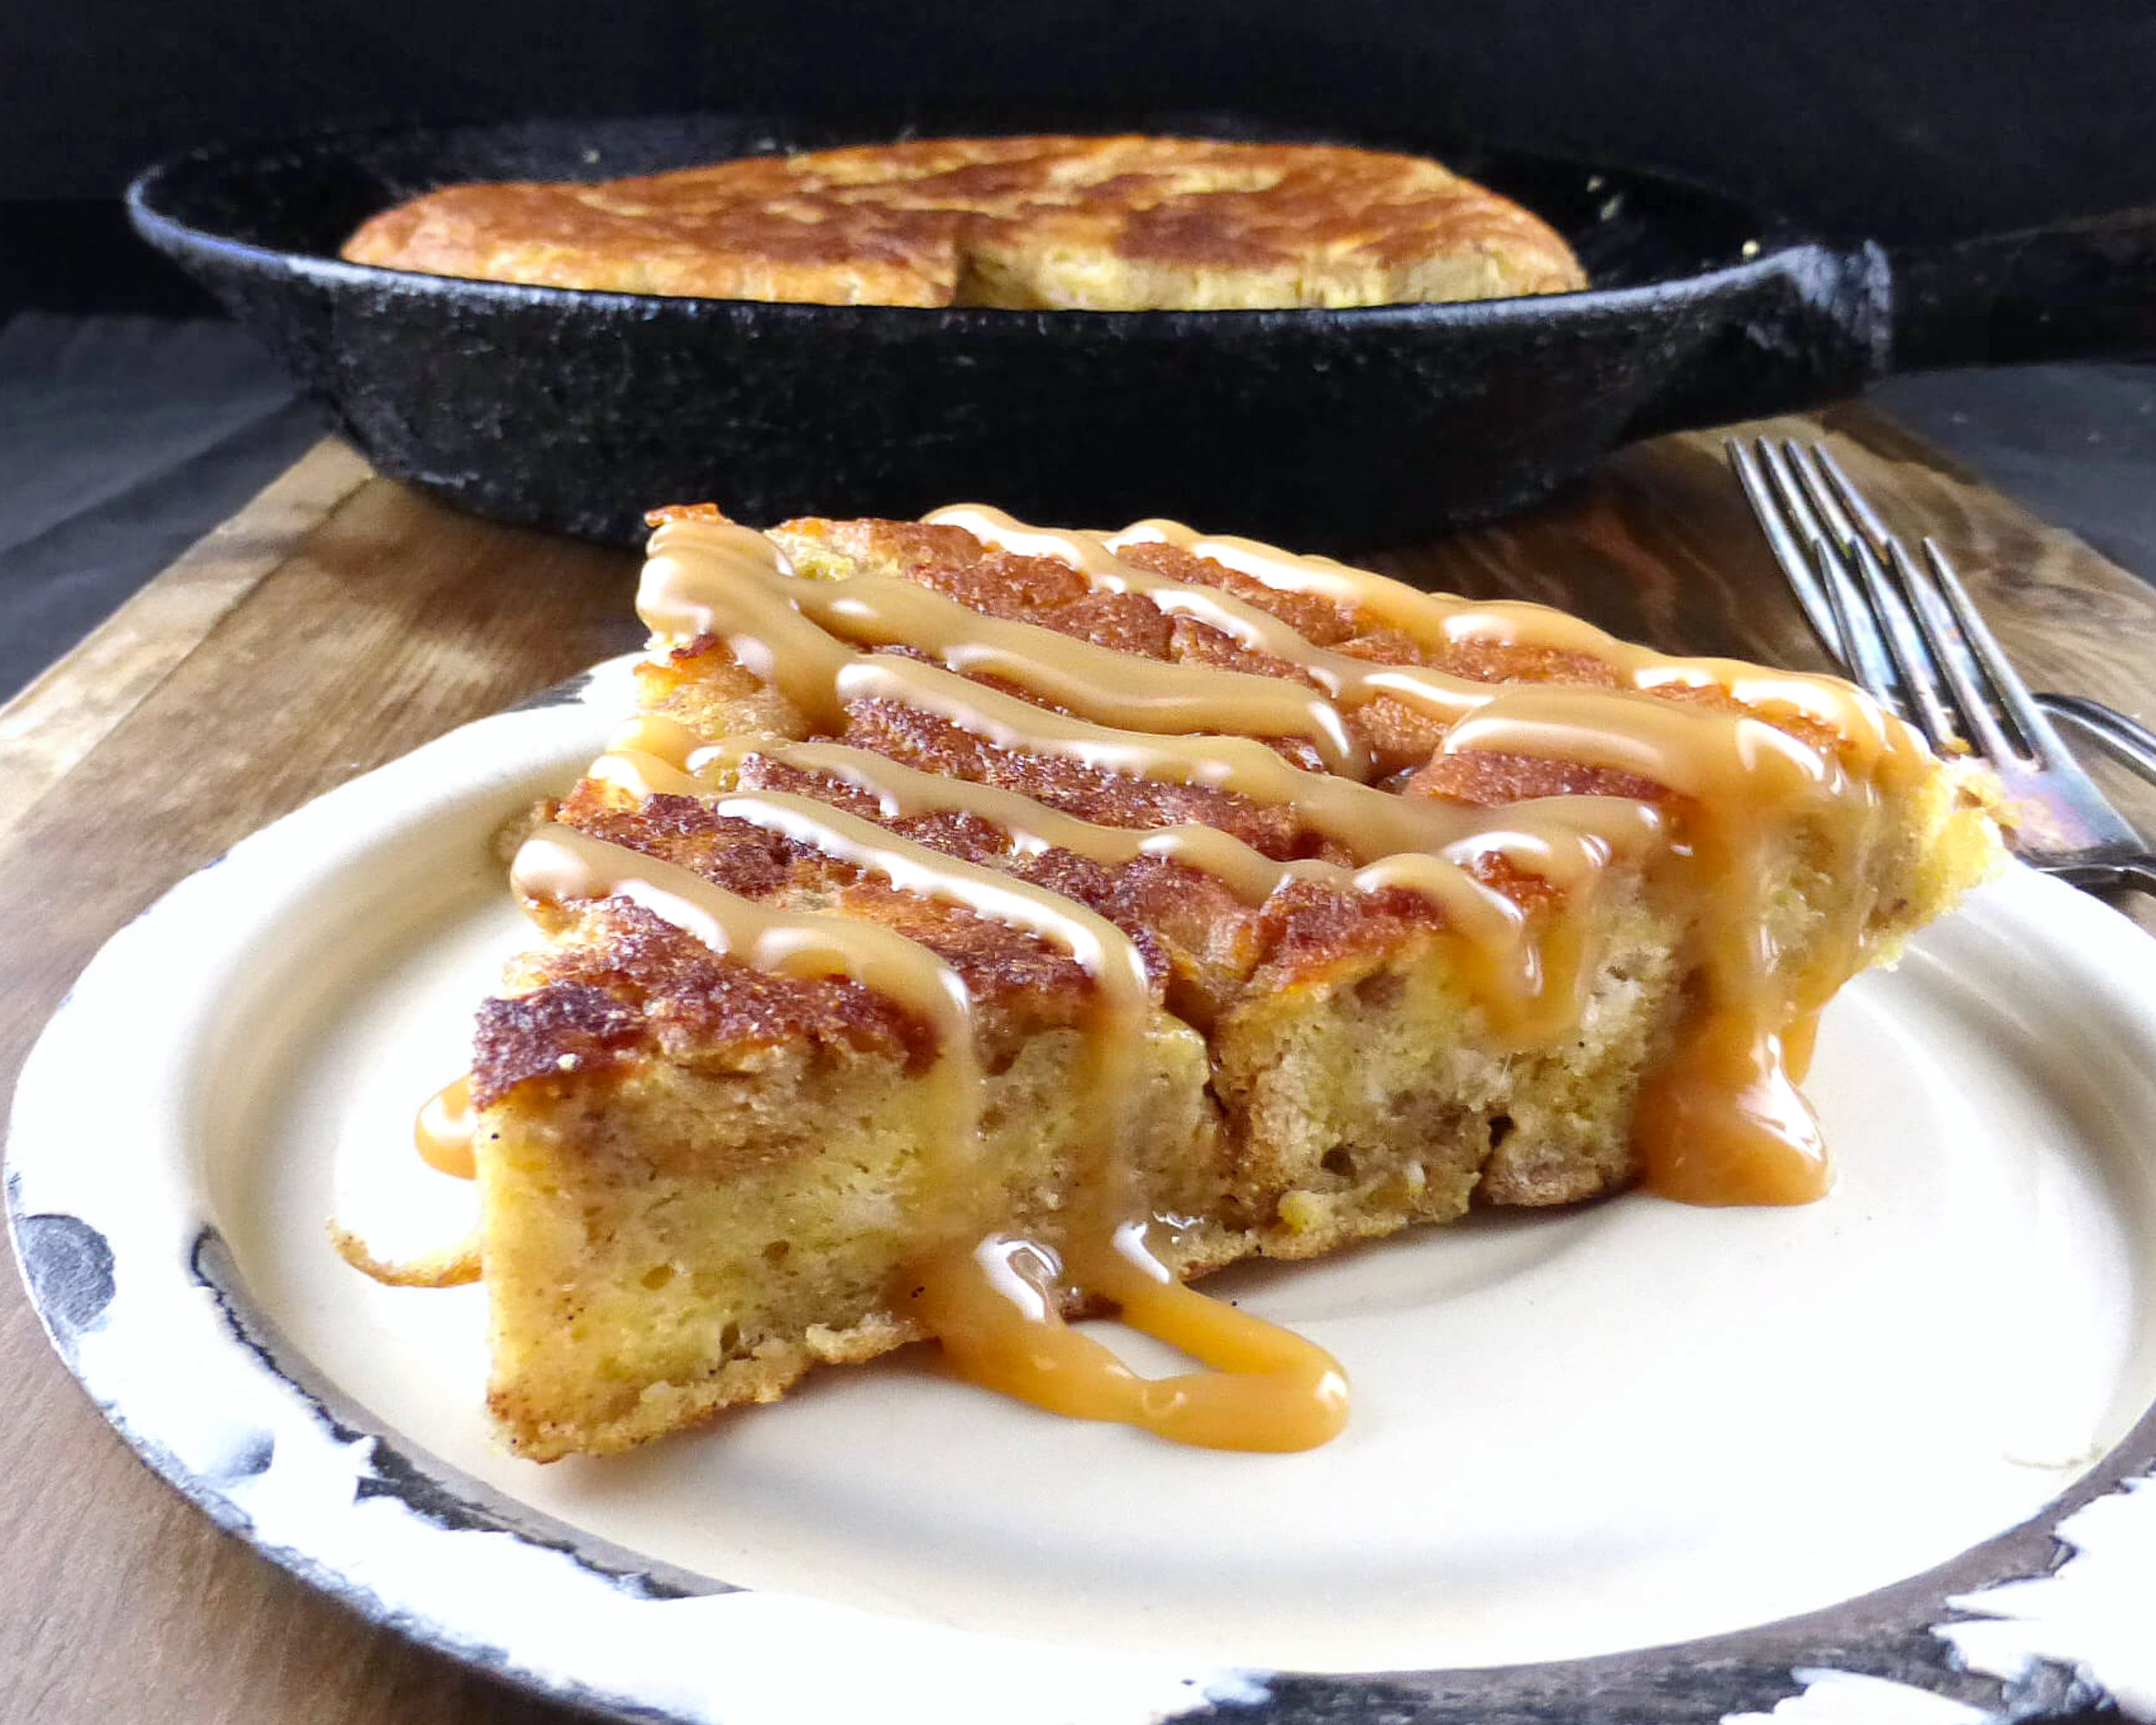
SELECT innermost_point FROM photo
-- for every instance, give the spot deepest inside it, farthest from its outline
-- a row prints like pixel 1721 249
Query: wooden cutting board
pixel 340 620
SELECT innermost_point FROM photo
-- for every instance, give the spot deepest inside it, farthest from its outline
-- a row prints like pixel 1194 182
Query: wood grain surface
pixel 340 621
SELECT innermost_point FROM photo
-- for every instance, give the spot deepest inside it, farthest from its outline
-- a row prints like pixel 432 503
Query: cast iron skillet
pixel 576 411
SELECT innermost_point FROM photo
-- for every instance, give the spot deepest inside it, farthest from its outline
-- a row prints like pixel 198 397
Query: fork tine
pixel 1851 498
pixel 1811 597
pixel 2040 740
pixel 1919 667
pixel 1804 463
pixel 1868 661
pixel 1795 501
pixel 1948 665
pixel 1953 651
pixel 1919 643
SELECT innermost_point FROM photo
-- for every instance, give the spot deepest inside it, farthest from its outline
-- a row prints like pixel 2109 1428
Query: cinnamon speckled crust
pixel 620 985
pixel 1117 223
pixel 696 1177
pixel 1050 593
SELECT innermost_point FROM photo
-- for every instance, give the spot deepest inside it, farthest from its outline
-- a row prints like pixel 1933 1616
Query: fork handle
pixel 2084 289
pixel 2130 873
pixel 2126 740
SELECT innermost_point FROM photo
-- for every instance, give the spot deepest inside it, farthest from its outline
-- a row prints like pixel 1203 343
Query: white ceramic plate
pixel 1886 1456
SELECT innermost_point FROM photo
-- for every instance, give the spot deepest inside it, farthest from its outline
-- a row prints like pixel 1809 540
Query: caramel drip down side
pixel 444 1129
pixel 1727 1087
pixel 442 1132
pixel 559 864
pixel 1723 1121
pixel 1267 1388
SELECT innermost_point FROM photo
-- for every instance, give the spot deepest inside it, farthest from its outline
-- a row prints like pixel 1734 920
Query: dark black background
pixel 1900 119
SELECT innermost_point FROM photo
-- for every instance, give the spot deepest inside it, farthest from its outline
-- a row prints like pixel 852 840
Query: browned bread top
pixel 1115 223
pixel 1206 947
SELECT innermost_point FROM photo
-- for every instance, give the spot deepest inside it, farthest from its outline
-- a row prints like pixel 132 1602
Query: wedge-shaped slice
pixel 982 918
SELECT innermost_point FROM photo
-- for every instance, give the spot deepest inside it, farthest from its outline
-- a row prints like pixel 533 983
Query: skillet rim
pixel 1777 242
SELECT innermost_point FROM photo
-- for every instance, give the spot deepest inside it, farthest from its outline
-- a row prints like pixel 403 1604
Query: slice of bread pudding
pixel 983 925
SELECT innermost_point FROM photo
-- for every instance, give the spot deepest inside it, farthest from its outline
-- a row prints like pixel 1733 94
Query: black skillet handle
pixel 2075 291
pixel 1820 322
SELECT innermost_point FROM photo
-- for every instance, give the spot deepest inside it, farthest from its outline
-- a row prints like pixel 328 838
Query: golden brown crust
pixel 629 988
pixel 599 1006
pixel 1050 593
pixel 1204 949
pixel 1105 223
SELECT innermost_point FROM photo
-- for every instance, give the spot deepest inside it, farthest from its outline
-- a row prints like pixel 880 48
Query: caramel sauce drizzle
pixel 1529 989
pixel 1436 621
pixel 1729 1087
pixel 1721 1123
pixel 996 1305
pixel 1352 682
pixel 445 1128
pixel 716 580
pixel 559 864
pixel 882 611
pixel 1265 1387
pixel 1268 1388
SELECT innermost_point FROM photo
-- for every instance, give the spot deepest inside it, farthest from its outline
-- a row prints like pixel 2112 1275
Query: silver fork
pixel 1909 634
